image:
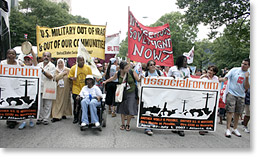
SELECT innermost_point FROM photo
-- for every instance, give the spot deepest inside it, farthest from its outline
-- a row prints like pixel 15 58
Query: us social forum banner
pixel 149 43
pixel 62 42
pixel 182 104
pixel 19 92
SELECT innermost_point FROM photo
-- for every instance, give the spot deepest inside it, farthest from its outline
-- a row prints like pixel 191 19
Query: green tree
pixel 203 52
pixel 215 12
pixel 31 13
pixel 233 46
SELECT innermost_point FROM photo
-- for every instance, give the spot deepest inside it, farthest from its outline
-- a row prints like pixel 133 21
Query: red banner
pixel 149 43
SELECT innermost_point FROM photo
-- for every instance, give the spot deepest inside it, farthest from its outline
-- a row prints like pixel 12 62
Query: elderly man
pixel 78 74
pixel 48 70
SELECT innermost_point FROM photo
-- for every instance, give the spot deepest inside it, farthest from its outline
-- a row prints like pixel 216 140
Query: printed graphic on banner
pixel 63 41
pixel 149 43
pixel 19 92
pixel 112 44
pixel 189 104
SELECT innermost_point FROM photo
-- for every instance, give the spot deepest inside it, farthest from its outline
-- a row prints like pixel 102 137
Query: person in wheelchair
pixel 91 96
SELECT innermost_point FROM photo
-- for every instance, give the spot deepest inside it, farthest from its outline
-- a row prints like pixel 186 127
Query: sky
pixel 114 13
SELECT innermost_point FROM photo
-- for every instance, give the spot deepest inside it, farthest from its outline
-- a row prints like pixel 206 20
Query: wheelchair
pixel 101 112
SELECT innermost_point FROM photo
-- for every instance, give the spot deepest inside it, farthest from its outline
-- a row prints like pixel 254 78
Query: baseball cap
pixel 99 65
pixel 89 77
pixel 28 57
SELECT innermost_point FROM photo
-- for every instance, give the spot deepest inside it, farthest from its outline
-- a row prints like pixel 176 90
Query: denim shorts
pixel 235 104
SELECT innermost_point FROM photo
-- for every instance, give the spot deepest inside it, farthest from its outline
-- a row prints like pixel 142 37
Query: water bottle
pixel 90 97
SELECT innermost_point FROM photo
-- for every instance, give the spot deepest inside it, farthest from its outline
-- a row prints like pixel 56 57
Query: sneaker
pixel 31 124
pixel 245 129
pixel 22 126
pixel 39 121
pixel 149 132
pixel 228 133
pixel 235 132
pixel 83 124
pixel 97 124
pixel 45 122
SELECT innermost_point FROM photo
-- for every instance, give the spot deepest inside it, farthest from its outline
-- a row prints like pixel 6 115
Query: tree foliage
pixel 31 13
pixel 233 46
pixel 215 12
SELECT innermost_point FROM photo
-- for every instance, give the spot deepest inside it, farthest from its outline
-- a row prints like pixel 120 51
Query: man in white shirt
pixel 238 83
pixel 48 70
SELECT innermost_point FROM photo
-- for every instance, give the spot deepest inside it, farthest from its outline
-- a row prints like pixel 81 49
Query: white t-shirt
pixel 94 91
pixel 173 71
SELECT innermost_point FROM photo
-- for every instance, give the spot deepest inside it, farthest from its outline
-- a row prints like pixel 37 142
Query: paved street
pixel 64 134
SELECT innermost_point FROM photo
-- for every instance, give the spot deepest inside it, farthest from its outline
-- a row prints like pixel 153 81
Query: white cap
pixel 112 60
pixel 89 77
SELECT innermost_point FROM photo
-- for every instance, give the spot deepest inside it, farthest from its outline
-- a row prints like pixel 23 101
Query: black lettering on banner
pixel 57 44
pixel 47 33
pixel 81 30
pixel 47 45
pixel 90 30
pixel 42 33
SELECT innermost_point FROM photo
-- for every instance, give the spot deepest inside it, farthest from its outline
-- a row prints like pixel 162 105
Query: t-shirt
pixel 214 78
pixel 94 92
pixel 113 71
pixel 79 83
pixel 173 71
pixel 236 80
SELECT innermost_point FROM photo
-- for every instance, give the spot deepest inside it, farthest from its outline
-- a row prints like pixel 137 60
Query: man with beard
pixel 48 70
pixel 77 74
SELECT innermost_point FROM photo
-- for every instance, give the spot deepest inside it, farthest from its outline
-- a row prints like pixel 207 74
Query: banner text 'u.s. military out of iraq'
pixel 63 41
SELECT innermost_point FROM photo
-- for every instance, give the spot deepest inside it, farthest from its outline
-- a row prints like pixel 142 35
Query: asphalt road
pixel 65 134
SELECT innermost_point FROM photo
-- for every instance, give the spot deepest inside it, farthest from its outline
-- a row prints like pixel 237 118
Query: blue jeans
pixel 93 110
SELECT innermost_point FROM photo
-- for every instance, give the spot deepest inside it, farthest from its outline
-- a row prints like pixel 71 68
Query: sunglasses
pixel 152 65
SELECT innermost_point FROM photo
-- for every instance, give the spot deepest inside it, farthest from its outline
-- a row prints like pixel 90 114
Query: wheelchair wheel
pixel 104 118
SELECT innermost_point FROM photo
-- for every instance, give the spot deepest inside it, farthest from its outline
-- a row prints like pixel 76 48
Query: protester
pixel 111 86
pixel 211 75
pixel 247 112
pixel 10 60
pixel 128 107
pixel 29 61
pixel 180 70
pixel 91 95
pixel 151 71
pixel 99 81
pixel 238 82
pixel 62 105
pixel 48 69
pixel 78 75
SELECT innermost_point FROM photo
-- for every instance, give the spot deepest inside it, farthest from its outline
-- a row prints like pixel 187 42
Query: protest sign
pixel 182 104
pixel 149 43
pixel 190 55
pixel 19 92
pixel 112 44
pixel 63 41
